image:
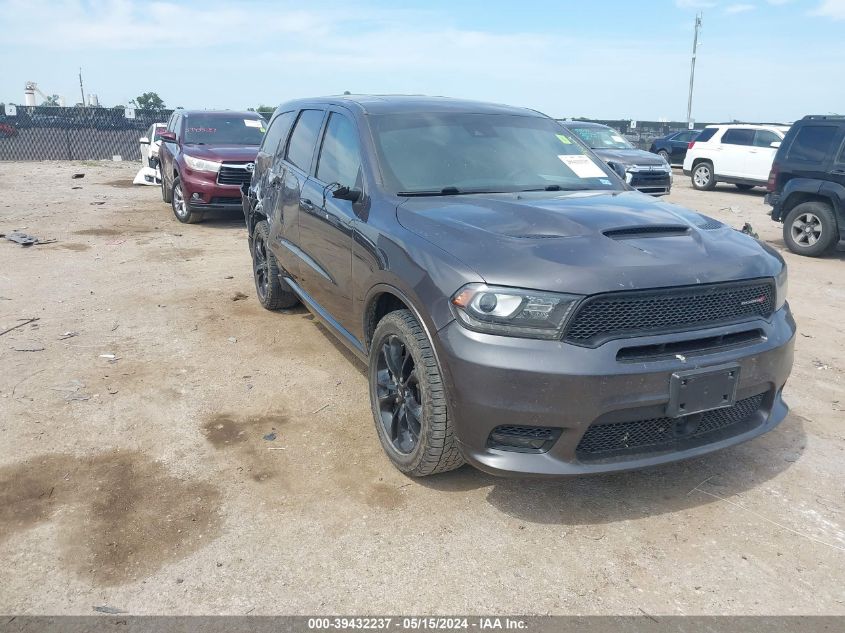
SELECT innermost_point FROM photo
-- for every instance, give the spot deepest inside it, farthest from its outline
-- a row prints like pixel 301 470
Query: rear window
pixel 812 143
pixel 738 136
pixel 706 134
pixel 304 138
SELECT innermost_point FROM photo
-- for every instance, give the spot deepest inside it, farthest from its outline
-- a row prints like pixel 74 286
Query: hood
pixel 222 153
pixel 585 242
pixel 630 157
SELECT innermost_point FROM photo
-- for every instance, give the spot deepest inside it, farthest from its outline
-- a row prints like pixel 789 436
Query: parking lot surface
pixel 168 446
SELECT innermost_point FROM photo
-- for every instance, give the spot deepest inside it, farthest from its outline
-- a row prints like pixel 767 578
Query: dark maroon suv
pixel 205 157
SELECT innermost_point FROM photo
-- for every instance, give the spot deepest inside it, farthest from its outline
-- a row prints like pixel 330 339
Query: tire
pixel 180 206
pixel 165 191
pixel 810 228
pixel 703 177
pixel 272 292
pixel 411 415
pixel 665 156
pixel 743 187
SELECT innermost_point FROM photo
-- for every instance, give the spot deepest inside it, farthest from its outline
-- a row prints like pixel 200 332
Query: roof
pixel 576 123
pixel 394 104
pixel 752 126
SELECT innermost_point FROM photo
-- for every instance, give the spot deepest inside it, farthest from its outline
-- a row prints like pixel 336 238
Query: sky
pixel 758 60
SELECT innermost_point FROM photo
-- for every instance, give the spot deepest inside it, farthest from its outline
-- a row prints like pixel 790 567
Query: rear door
pixel 326 224
pixel 292 172
pixel 678 145
pixel 734 154
pixel 762 154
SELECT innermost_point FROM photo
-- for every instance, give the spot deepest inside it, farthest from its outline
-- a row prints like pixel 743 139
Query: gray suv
pixel 517 306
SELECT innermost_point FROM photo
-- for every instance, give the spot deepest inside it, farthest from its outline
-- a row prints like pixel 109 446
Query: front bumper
pixel 203 192
pixel 501 381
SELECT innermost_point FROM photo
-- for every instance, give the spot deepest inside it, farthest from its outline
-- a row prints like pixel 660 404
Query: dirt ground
pixel 168 446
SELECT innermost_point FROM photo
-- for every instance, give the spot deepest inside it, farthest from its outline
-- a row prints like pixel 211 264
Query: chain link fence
pixel 54 133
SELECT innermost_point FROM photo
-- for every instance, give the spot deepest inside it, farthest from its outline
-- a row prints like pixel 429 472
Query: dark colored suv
pixel 673 147
pixel 516 305
pixel 205 158
pixel 807 185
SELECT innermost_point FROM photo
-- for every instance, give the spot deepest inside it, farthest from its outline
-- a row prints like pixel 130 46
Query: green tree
pixel 265 110
pixel 52 100
pixel 148 101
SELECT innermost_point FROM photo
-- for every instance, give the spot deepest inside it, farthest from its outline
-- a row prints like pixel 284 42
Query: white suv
pixel 738 154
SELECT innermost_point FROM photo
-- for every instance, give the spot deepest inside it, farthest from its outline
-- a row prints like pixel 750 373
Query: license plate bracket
pixel 698 390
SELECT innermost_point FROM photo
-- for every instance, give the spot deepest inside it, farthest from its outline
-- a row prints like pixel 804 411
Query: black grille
pixel 660 434
pixel 233 176
pixel 637 313
pixel 523 439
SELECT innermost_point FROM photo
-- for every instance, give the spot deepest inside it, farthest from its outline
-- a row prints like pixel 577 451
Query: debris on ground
pixel 15 327
pixel 73 391
pixel 112 358
pixel 99 202
pixel 24 239
pixel 77 187
pixel 232 339
pixel 229 277
pixel 749 230
pixel 820 365
pixel 78 176
pixel 239 296
pixel 68 335
pixel 270 437
pixel 109 610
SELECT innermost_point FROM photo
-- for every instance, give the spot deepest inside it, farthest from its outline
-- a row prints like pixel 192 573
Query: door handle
pixel 306 204
pixel 838 172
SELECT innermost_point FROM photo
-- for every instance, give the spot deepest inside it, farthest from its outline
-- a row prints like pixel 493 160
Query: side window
pixel 812 143
pixel 304 138
pixel 684 137
pixel 178 127
pixel 841 157
pixel 340 156
pixel 738 136
pixel 171 122
pixel 765 138
pixel 278 130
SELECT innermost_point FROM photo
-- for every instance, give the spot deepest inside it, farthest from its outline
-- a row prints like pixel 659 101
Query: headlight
pixel 781 284
pixel 512 311
pixel 200 164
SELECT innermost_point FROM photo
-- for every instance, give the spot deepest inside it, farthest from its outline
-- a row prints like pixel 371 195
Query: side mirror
pixel 619 169
pixel 345 193
pixel 775 144
pixel 168 137
pixel 144 140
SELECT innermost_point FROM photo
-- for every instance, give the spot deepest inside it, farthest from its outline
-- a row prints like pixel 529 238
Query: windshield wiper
pixel 554 188
pixel 446 191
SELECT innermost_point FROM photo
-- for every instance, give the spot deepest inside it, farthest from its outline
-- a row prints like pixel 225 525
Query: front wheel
pixel 180 206
pixel 703 177
pixel 810 229
pixel 408 399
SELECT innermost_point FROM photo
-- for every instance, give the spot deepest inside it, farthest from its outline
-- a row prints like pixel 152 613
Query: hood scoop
pixel 654 230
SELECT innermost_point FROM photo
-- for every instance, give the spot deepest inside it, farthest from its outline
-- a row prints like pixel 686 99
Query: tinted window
pixel 841 158
pixel 224 129
pixel 278 130
pixel 178 125
pixel 685 137
pixel 765 138
pixel 340 157
pixel 737 136
pixel 304 138
pixel 432 153
pixel 706 134
pixel 812 143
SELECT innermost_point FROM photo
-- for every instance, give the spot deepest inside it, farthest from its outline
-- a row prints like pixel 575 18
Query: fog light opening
pixel 523 439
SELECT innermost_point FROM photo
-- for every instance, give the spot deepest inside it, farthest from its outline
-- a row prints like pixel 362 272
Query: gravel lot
pixel 149 480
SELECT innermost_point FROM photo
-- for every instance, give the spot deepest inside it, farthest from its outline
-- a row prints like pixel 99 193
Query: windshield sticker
pixel 617 138
pixel 252 123
pixel 203 130
pixel 581 165
pixel 563 139
pixel 604 181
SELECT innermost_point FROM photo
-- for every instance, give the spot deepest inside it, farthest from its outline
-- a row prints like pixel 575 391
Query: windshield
pixel 215 129
pixel 601 137
pixel 447 154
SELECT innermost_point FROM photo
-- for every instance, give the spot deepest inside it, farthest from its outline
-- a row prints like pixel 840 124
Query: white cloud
pixel 739 8
pixel 831 9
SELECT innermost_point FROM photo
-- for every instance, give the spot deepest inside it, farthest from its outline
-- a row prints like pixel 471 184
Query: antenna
pixel 692 67
pixel 81 90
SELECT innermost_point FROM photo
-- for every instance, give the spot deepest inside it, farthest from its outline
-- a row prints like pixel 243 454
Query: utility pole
pixel 692 67
pixel 81 89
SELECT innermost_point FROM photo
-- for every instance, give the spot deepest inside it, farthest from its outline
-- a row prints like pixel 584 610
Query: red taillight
pixel 773 178
pixel 691 143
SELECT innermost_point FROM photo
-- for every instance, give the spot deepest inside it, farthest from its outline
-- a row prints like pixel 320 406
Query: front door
pixel 326 223
pixel 735 153
pixel 762 154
